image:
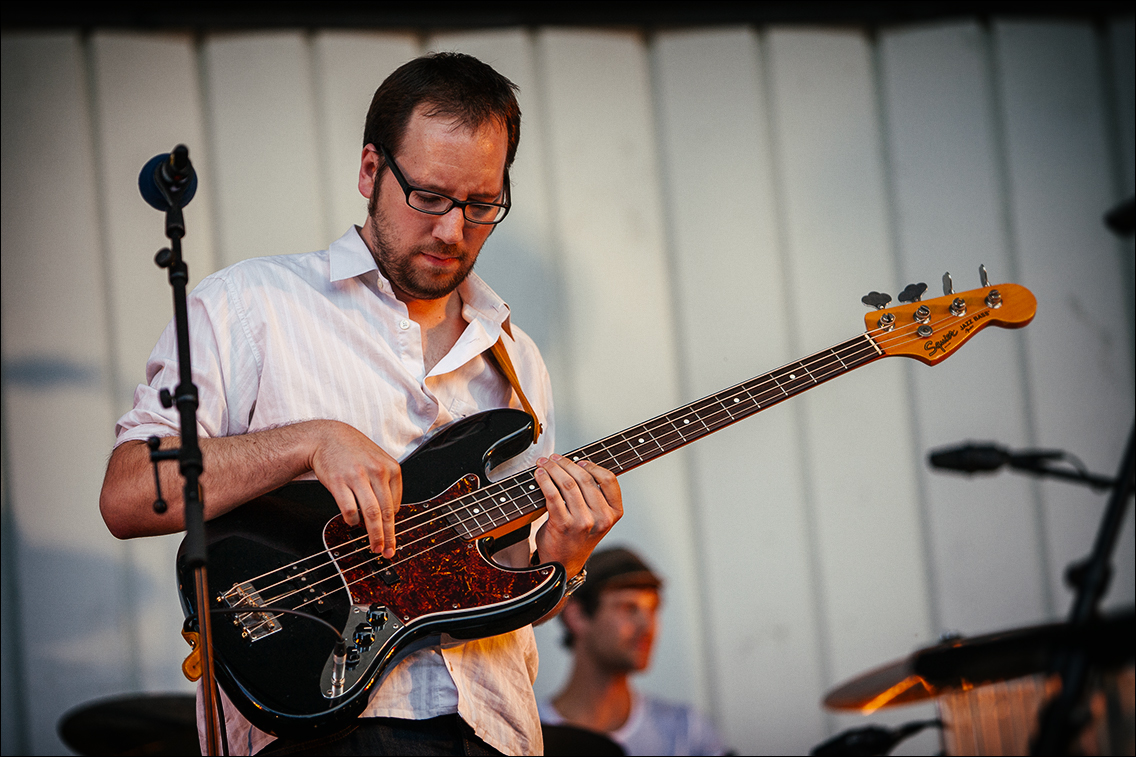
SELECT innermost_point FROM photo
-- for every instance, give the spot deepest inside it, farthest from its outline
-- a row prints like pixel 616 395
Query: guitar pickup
pixel 254 625
pixel 387 574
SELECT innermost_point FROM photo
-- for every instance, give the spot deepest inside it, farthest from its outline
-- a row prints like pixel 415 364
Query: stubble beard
pixel 621 658
pixel 399 268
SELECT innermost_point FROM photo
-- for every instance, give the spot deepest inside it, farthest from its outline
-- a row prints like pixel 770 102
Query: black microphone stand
pixel 1059 723
pixel 188 454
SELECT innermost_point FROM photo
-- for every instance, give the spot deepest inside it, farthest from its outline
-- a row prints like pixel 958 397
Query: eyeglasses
pixel 437 204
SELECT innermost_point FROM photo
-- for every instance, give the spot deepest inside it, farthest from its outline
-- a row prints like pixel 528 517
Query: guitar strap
pixel 505 365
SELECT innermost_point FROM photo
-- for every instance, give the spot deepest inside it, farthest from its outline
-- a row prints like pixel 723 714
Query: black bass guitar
pixel 291 548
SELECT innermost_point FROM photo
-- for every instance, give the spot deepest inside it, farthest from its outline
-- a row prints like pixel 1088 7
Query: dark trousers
pixel 448 735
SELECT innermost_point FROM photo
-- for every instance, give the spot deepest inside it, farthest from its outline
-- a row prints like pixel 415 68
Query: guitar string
pixel 854 350
pixel 851 348
pixel 863 349
pixel 855 343
pixel 524 483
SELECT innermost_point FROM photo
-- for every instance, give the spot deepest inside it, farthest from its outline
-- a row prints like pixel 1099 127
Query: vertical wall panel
pixel 1122 49
pixel 14 736
pixel 1079 356
pixel 945 170
pixel 518 260
pixel 147 100
pixel 520 263
pixel 858 433
pixel 732 318
pixel 57 409
pixel 349 67
pixel 609 221
pixel 262 111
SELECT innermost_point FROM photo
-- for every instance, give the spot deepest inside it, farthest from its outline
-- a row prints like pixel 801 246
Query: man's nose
pixel 450 226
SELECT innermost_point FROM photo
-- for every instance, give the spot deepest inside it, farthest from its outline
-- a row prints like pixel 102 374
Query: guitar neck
pixel 518 497
pixel 632 447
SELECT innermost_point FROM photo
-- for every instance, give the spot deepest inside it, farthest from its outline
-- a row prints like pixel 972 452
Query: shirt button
pixel 404 324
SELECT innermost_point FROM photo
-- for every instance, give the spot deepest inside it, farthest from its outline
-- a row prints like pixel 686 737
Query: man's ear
pixel 368 170
pixel 574 617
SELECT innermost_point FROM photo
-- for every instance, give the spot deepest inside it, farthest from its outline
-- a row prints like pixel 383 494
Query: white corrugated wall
pixel 692 208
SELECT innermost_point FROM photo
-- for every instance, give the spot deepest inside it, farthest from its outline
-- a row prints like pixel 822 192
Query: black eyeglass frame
pixel 407 188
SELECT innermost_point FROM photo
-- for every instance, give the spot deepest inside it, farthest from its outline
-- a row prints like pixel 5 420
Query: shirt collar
pixel 350 257
pixel 481 303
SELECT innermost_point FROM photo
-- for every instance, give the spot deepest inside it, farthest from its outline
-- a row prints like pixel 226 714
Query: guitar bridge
pixel 254 625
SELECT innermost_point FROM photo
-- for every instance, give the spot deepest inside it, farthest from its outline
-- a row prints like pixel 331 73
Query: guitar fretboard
pixel 497 504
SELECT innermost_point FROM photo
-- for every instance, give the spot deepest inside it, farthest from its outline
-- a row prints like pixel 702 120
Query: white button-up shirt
pixel 284 339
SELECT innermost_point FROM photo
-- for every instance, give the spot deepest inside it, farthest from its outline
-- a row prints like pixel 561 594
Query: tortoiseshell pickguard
pixel 437 570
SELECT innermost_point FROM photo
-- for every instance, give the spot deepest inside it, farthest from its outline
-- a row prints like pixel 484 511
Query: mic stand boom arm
pixel 1039 465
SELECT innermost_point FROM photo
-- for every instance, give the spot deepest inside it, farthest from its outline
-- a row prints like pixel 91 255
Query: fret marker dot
pixel 531 487
pixel 792 375
pixel 576 459
pixel 687 421
pixel 736 399
pixel 501 500
pixel 476 511
pixel 640 440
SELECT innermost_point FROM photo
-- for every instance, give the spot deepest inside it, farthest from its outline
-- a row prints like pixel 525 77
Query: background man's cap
pixel 617 568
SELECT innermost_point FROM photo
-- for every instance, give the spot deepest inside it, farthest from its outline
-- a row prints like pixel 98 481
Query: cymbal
pixel 966 662
pixel 149 724
pixel 888 686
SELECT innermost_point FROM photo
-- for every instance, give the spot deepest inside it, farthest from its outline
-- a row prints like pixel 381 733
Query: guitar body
pixel 292 549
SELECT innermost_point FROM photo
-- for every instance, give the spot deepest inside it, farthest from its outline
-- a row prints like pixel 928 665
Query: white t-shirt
pixel 655 727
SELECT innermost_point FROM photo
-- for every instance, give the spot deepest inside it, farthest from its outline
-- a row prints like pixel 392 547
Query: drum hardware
pixel 872 739
pixel 150 724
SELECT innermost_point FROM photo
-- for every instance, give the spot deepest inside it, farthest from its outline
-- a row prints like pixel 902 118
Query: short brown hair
pixel 449 84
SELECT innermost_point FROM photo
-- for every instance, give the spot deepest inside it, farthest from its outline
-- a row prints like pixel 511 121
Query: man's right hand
pixel 361 476
pixel 363 479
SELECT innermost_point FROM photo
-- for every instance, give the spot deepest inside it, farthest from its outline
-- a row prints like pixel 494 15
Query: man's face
pixel 426 257
pixel 622 632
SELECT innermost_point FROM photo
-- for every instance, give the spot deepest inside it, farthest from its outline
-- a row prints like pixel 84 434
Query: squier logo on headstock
pixel 930 331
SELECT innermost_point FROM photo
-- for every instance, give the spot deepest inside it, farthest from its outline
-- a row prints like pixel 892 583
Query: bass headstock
pixel 931 330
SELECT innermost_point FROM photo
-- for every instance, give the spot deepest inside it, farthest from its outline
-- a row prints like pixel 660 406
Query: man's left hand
pixel 584 501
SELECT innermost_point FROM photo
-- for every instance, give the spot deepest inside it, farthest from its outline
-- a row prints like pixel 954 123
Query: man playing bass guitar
pixel 337 364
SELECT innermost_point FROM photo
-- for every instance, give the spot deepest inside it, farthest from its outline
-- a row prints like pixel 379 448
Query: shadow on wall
pixel 91 626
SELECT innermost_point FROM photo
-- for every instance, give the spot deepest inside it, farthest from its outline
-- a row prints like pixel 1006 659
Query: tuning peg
pixel 948 285
pixel 982 277
pixel 877 300
pixel 912 292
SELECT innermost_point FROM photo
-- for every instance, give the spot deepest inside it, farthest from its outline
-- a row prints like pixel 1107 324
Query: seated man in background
pixel 610 625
